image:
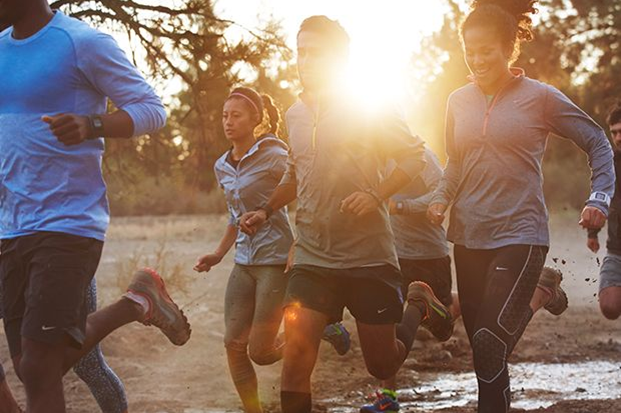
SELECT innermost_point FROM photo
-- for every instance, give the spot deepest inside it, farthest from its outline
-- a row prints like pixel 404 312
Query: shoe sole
pixel 436 307
pixel 561 301
pixel 166 305
pixel 334 341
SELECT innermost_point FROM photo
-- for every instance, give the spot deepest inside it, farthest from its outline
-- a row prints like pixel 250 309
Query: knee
pixel 235 344
pixel 262 356
pixel 490 355
pixel 86 365
pixel 35 371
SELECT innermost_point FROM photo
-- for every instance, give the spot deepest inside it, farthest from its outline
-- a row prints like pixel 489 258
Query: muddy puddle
pixel 535 385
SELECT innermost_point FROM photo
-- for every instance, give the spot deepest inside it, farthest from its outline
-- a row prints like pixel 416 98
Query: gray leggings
pixel 101 380
pixel 252 316
pixel 253 310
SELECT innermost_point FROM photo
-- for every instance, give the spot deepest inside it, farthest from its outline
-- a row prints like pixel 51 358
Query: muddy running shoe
pixel 337 335
pixel 550 281
pixel 386 402
pixel 438 319
pixel 163 313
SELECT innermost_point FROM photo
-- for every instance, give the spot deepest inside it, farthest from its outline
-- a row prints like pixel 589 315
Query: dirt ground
pixel 161 378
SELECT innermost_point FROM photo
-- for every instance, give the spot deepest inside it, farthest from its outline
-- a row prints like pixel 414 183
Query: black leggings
pixel 495 288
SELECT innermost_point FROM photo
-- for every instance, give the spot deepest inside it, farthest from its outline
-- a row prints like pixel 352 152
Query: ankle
pixel 295 402
pixel 136 305
pixel 421 306
pixel 547 294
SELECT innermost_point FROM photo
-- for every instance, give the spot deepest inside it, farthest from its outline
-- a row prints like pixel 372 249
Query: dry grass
pixel 162 259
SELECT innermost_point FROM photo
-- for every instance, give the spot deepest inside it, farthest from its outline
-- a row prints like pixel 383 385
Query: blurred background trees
pixel 195 57
pixel 184 47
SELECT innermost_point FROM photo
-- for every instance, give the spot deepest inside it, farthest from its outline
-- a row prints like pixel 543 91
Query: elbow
pixel 160 117
pixel 148 118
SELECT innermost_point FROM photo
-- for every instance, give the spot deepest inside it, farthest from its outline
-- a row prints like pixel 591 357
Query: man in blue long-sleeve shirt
pixel 56 74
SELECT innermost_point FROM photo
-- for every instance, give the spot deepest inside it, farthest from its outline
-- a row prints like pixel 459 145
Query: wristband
pixel 601 197
pixel 375 195
pixel 268 210
pixel 97 128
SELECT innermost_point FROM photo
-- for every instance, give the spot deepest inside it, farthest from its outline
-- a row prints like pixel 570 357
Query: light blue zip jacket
pixel 249 186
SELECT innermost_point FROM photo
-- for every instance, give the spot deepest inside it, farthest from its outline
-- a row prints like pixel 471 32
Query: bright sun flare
pixel 384 35
pixel 383 40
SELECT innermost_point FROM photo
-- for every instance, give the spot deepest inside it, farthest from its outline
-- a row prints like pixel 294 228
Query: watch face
pixel 97 123
pixel 600 196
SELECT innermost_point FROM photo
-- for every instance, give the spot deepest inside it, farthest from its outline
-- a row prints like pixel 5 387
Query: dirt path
pixel 194 379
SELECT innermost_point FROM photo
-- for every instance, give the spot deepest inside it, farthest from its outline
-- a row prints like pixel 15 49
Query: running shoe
pixel 337 335
pixel 550 281
pixel 163 313
pixel 386 402
pixel 437 318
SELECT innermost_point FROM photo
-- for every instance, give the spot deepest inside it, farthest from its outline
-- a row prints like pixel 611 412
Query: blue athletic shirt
pixel 66 67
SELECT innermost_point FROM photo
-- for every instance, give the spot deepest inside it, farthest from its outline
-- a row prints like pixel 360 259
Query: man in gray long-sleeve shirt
pixel 345 254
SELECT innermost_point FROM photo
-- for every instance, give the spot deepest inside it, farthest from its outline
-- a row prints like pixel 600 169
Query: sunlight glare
pixel 383 40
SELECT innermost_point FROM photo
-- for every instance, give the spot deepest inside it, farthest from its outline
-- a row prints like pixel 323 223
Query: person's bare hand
pixel 359 204
pixel 250 222
pixel 204 263
pixel 69 129
pixel 592 218
pixel 435 213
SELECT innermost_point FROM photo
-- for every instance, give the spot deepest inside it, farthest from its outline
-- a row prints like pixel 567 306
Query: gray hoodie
pixel 493 175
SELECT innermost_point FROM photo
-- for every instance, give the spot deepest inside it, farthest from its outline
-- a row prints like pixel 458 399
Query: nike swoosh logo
pixel 46 328
pixel 384 406
pixel 501 269
pixel 381 311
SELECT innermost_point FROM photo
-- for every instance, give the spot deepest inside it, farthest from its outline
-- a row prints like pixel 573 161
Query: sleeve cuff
pixel 147 118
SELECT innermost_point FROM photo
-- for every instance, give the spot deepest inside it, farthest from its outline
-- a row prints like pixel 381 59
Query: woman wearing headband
pixel 248 173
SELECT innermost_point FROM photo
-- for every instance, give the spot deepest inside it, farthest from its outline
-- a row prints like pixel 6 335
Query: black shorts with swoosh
pixel 371 294
pixel 44 280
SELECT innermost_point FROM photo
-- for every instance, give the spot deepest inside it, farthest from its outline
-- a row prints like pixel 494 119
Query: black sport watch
pixel 97 126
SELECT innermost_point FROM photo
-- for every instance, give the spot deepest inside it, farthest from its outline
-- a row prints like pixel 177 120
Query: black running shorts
pixel 434 272
pixel 44 280
pixel 371 294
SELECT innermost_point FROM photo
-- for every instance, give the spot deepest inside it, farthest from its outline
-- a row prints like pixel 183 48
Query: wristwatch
pixel 97 127
pixel 601 197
